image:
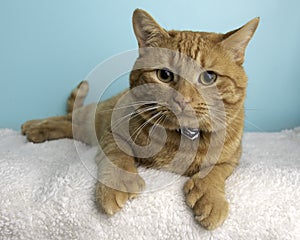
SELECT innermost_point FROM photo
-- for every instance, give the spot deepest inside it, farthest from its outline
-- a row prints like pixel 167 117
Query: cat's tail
pixel 77 96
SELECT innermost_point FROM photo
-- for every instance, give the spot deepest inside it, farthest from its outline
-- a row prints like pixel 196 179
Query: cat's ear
pixel 146 29
pixel 236 41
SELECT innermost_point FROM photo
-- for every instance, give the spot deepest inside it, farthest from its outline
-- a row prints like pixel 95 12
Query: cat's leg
pixel 119 180
pixel 25 126
pixel 60 127
pixel 78 125
pixel 38 131
pixel 206 196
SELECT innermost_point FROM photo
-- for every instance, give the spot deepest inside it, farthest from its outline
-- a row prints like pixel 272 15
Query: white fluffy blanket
pixel 46 192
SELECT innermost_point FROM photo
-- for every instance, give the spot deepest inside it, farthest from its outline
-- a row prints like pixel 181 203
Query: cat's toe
pixel 110 200
pixel 211 212
pixel 37 135
pixel 209 205
pixel 27 125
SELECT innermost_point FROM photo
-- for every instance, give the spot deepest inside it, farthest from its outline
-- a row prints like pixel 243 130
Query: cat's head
pixel 192 72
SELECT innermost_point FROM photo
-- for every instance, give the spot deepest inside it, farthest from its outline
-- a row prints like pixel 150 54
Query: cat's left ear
pixel 236 41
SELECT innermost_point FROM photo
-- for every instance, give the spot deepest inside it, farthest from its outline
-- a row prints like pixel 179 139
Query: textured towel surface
pixel 47 192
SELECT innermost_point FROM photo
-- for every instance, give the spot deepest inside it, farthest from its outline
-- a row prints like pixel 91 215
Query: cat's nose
pixel 182 101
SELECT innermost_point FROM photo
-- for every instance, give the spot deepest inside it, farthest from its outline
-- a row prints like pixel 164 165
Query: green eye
pixel 208 78
pixel 165 75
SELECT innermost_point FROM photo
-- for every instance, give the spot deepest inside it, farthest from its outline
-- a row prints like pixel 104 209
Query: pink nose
pixel 182 101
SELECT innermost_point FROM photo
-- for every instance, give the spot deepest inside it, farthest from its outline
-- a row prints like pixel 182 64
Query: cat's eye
pixel 208 78
pixel 165 75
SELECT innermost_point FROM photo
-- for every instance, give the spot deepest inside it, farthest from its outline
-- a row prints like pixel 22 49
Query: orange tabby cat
pixel 193 85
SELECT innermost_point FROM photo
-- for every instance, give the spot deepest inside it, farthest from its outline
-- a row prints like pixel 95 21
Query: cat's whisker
pixel 154 127
pixel 210 107
pixel 129 105
pixel 140 128
pixel 220 122
pixel 240 118
pixel 254 125
pixel 141 110
pixel 116 123
pixel 145 124
pixel 120 120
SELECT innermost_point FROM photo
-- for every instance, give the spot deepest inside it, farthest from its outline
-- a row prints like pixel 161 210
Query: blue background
pixel 47 47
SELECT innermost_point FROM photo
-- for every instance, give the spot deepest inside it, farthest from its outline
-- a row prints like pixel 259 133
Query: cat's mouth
pixel 181 122
pixel 185 122
pixel 188 126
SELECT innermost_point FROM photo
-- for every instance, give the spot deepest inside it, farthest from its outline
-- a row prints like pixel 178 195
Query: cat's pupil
pixel 208 77
pixel 165 75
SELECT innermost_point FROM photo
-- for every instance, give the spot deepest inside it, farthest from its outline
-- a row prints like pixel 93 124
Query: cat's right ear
pixel 146 29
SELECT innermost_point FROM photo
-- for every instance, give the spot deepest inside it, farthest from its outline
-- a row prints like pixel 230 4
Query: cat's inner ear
pixel 146 29
pixel 236 41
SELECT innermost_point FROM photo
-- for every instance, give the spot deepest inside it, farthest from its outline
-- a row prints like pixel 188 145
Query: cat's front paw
pixel 208 203
pixel 113 200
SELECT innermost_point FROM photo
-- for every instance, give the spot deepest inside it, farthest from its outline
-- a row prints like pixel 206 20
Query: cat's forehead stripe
pixel 190 43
